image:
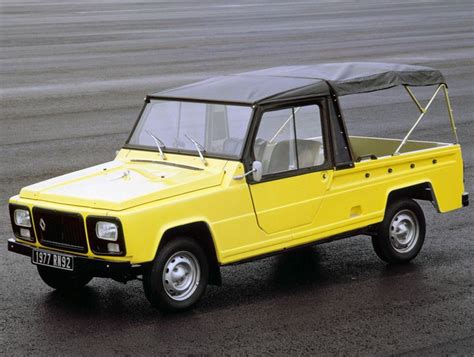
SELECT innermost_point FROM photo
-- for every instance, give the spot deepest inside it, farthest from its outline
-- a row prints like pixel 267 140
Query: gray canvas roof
pixel 290 82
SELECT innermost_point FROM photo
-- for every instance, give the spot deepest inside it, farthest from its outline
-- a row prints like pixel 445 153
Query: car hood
pixel 118 185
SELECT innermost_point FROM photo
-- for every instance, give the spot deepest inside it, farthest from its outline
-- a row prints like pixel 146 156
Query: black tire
pixel 401 234
pixel 191 267
pixel 63 280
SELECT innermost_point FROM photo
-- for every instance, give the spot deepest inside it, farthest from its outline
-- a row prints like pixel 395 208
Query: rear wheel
pixel 63 280
pixel 401 234
pixel 178 276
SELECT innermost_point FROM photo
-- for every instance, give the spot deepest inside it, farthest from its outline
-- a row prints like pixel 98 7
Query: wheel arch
pixel 201 233
pixel 420 191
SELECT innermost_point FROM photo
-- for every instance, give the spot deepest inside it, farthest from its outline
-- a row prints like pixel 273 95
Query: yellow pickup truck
pixel 236 168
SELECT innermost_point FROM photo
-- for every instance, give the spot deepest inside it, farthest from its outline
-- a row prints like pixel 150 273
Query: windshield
pixel 214 129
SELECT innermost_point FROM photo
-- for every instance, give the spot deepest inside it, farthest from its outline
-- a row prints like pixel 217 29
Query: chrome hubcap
pixel 181 275
pixel 404 231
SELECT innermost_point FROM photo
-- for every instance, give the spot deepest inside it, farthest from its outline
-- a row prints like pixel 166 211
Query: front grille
pixel 60 229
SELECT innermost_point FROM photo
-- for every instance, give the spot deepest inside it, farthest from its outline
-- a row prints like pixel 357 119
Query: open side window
pixel 375 133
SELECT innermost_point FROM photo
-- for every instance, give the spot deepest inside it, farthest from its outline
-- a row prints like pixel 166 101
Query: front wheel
pixel 178 276
pixel 63 280
pixel 401 234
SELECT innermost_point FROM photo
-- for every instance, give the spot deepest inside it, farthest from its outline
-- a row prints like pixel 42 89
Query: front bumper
pixel 120 271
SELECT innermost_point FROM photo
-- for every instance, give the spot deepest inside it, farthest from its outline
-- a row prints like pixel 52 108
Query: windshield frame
pixel 188 152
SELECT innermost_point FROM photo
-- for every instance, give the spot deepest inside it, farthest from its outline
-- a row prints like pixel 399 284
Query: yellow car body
pixel 150 199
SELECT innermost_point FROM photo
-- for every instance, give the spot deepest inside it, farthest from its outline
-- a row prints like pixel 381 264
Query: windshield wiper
pixel 199 148
pixel 158 144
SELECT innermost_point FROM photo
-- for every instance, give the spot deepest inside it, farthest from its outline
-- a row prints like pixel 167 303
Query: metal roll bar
pixel 424 110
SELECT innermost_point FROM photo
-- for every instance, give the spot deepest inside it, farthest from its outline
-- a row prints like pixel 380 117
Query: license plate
pixel 53 260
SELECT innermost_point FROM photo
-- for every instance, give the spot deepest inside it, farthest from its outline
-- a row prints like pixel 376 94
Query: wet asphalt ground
pixel 73 76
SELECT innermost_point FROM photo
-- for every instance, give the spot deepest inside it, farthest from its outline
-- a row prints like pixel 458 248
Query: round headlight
pixel 22 218
pixel 106 231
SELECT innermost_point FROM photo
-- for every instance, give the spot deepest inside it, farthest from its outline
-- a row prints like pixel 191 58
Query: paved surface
pixel 73 75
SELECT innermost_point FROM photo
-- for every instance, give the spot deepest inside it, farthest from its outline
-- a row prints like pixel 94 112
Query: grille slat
pixel 60 229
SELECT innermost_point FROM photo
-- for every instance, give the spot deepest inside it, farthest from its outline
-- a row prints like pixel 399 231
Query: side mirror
pixel 257 170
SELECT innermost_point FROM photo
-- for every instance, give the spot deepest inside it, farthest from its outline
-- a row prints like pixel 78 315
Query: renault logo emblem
pixel 42 224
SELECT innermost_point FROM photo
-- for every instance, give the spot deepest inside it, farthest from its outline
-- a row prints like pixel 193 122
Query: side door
pixel 291 144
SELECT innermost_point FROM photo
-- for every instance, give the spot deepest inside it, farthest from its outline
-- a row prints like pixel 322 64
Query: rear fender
pixel 419 191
